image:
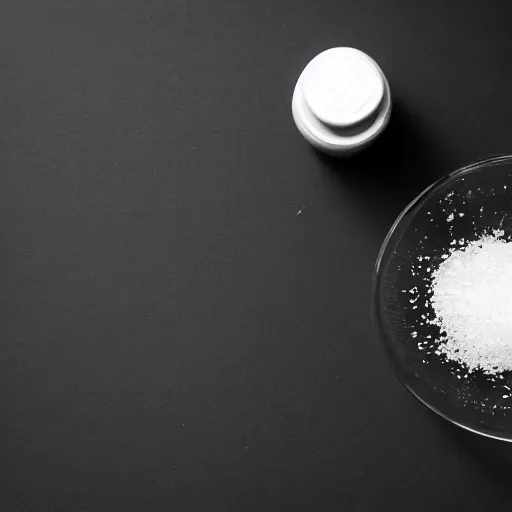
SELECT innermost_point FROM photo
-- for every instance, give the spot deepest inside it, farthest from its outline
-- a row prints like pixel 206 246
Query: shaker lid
pixel 342 101
pixel 342 87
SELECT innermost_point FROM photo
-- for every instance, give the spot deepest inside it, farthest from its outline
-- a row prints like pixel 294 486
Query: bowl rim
pixel 376 317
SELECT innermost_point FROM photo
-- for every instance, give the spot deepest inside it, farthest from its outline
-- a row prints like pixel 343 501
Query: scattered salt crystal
pixel 450 217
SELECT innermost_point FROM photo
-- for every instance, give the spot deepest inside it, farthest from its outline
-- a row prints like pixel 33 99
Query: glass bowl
pixel 482 193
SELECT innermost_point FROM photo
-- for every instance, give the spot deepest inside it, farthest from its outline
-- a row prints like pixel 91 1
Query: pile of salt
pixel 472 300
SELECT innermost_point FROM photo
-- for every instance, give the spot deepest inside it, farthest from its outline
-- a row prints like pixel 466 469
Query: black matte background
pixel 174 334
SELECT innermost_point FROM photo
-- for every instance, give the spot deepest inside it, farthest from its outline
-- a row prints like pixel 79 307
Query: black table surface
pixel 185 283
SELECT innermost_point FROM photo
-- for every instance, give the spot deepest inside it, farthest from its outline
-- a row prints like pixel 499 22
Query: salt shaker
pixel 342 101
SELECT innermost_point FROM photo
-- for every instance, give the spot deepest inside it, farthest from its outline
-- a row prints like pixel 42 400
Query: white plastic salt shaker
pixel 342 101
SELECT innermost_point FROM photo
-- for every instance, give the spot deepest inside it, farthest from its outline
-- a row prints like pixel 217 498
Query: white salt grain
pixel 472 298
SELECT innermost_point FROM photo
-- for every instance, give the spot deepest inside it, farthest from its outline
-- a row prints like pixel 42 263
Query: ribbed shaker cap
pixel 342 101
